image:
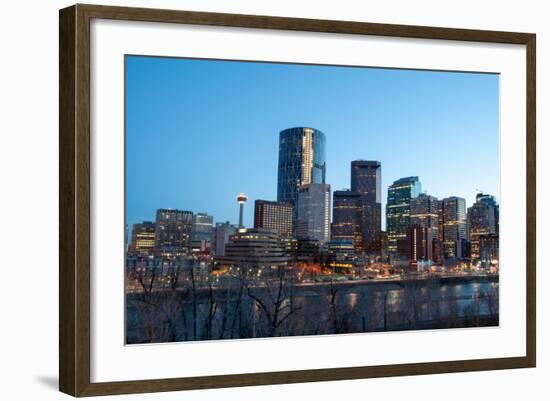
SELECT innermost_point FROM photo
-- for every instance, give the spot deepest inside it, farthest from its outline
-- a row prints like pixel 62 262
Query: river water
pixel 310 310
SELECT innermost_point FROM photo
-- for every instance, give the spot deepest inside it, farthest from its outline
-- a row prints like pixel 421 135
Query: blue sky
pixel 198 132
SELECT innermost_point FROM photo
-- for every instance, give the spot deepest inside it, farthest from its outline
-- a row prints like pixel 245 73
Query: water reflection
pixel 312 311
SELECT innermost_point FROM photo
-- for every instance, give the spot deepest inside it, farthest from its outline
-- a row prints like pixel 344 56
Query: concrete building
pixel 420 241
pixel 253 250
pixel 222 232
pixel 143 238
pixel 277 216
pixel 173 230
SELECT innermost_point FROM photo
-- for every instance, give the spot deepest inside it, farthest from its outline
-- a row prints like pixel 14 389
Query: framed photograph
pixel 249 200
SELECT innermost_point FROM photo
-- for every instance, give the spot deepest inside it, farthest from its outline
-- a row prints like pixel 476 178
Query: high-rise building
pixel 424 228
pixel 203 227
pixel 313 212
pixel 491 201
pixel 221 235
pixel 277 216
pixel 482 220
pixel 143 238
pixel 125 237
pixel 173 230
pixel 302 157
pixel 489 250
pixel 366 179
pixel 398 210
pixel 424 212
pixel 420 241
pixel 254 249
pixel 346 217
pixel 454 226
pixel 440 222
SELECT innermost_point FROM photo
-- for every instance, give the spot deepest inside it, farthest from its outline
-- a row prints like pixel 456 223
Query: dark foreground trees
pixel 167 305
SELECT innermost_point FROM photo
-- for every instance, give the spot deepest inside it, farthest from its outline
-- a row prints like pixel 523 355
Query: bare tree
pixel 273 299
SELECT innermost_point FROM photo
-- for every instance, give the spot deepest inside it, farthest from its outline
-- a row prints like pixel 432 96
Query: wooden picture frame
pixel 74 204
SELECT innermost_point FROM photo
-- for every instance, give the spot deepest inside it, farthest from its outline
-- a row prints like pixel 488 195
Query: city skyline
pixel 190 148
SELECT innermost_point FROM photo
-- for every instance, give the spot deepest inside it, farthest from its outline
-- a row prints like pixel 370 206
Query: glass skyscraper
pixel 424 212
pixel 366 181
pixel 203 227
pixel 346 217
pixel 482 219
pixel 302 161
pixel 424 233
pixel 398 209
pixel 454 226
pixel 313 213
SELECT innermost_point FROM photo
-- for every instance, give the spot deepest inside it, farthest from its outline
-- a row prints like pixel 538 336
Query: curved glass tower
pixel 302 154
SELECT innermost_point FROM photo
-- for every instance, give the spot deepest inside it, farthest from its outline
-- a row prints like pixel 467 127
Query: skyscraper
pixel 274 215
pixel 222 232
pixel 440 222
pixel 425 215
pixel 346 217
pixel 489 250
pixel 482 220
pixel 491 201
pixel 313 212
pixel 398 207
pixel 420 241
pixel 203 226
pixel 424 212
pixel 302 157
pixel 366 181
pixel 454 226
pixel 173 230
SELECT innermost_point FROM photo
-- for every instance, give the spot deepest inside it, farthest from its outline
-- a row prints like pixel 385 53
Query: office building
pixel 489 250
pixel 340 255
pixel 302 157
pixel 398 210
pixel 425 212
pixel 143 238
pixel 492 202
pixel 454 226
pixel 313 212
pixel 366 179
pixel 277 216
pixel 203 228
pixel 420 242
pixel 482 220
pixel 440 222
pixel 220 238
pixel 346 217
pixel 173 230
pixel 254 249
